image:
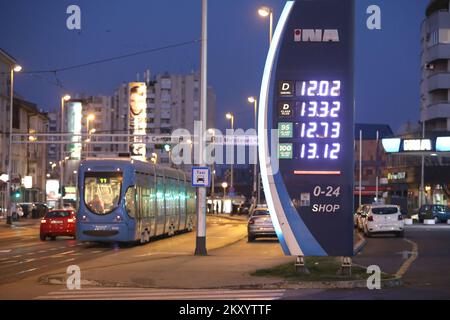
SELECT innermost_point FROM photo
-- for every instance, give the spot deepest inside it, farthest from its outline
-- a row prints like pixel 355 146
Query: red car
pixel 58 223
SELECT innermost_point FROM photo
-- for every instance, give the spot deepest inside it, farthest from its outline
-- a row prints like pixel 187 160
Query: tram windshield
pixel 102 191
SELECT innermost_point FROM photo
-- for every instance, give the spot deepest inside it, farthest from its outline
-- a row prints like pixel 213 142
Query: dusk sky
pixel 35 33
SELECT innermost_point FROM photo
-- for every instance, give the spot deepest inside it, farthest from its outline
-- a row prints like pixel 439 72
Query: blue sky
pixel 387 60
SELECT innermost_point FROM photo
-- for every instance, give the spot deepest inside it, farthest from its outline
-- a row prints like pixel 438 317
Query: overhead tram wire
pixel 177 45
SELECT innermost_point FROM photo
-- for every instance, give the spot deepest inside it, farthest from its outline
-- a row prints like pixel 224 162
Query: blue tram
pixel 125 200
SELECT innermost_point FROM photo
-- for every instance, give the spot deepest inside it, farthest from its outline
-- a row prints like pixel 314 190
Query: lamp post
pixel 61 165
pixel 230 117
pixel 254 101
pixel 213 171
pixel 267 12
pixel 200 240
pixel 16 68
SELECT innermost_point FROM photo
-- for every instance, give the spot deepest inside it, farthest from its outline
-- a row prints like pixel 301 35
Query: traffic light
pixel 17 194
pixel 167 147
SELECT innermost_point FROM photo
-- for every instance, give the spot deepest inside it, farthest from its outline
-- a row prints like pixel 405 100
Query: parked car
pixel 58 223
pixel 244 208
pixel 260 224
pixel 384 219
pixel 440 213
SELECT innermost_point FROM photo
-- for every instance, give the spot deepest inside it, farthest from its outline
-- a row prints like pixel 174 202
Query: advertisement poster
pixel 138 118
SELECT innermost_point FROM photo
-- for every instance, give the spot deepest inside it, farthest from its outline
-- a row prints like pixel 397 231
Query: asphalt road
pixel 428 278
pixel 23 258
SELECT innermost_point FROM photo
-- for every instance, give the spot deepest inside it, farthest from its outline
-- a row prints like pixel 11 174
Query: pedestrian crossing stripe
pixel 161 294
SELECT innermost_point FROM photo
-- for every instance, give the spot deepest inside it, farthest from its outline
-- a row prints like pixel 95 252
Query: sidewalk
pixel 226 267
pixel 23 222
pixel 229 216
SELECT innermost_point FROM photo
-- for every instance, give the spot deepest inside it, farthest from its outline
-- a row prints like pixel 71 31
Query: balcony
pixel 439 81
pixel 440 51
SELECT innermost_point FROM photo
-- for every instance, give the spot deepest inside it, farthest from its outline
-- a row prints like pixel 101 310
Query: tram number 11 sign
pixel 307 94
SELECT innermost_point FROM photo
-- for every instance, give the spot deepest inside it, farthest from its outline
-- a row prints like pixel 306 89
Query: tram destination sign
pixel 307 94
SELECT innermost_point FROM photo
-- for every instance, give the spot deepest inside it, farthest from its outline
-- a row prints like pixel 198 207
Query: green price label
pixel 285 130
pixel 285 151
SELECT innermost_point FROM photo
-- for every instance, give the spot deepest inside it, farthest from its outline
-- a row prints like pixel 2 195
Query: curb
pixel 354 284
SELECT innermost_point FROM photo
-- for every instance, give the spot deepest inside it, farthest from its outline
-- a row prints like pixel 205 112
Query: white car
pixel 384 219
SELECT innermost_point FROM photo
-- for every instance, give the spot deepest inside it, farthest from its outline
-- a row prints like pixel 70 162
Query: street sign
pixel 307 94
pixel 201 177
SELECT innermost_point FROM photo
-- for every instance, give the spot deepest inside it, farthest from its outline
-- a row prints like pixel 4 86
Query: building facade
pixel 7 62
pixel 173 102
pixel 435 62
pixel 373 162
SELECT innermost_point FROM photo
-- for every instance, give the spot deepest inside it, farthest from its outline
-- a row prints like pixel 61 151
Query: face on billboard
pixel 138 118
pixel 138 98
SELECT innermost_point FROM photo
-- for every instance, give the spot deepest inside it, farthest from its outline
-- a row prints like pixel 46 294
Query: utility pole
pixel 200 244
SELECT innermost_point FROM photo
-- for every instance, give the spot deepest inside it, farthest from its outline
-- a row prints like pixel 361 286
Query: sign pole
pixel 200 244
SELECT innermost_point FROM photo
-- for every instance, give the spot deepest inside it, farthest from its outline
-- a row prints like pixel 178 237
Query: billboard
pixel 137 93
pixel 52 190
pixel 74 122
pixel 307 95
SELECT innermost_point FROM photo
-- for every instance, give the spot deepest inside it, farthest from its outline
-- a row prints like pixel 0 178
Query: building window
pixel 444 36
pixel 16 117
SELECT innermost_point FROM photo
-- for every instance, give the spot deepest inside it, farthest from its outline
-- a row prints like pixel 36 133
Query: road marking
pixel 161 294
pixel 25 271
pixel 407 264
pixel 66 252
pixel 164 253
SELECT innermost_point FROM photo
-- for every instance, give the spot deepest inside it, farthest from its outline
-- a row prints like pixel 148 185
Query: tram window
pixel 102 191
pixel 130 202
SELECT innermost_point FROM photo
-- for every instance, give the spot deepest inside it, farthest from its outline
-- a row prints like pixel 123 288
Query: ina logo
pixel 316 35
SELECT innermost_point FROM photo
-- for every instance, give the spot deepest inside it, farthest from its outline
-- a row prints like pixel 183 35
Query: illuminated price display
pixel 311 104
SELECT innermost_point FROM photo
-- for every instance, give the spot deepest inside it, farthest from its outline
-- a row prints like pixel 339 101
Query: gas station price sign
pixel 309 99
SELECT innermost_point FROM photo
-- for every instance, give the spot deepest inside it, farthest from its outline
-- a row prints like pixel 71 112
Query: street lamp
pixel 154 158
pixel 224 186
pixel 267 12
pixel 16 68
pixel 230 117
pixel 61 167
pixel 254 101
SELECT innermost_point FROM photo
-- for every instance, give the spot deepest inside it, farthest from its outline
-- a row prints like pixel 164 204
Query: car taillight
pixel 400 217
pixel 43 221
pixel 251 221
pixel 370 218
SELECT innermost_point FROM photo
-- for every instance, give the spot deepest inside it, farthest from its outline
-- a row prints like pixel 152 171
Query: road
pixel 23 259
pixel 428 277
